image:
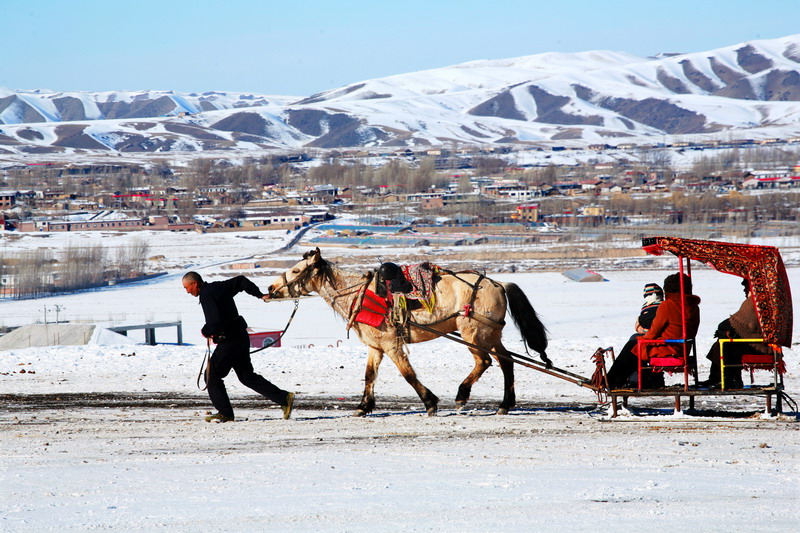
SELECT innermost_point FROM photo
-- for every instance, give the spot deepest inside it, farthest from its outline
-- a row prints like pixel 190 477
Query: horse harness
pixel 402 318
pixel 402 321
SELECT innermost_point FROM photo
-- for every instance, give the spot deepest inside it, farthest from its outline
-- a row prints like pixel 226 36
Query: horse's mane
pixel 323 267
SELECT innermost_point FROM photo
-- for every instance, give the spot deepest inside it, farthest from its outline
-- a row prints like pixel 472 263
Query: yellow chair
pixel 754 361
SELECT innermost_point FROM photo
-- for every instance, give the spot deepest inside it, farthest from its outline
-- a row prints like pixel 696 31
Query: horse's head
pixel 297 280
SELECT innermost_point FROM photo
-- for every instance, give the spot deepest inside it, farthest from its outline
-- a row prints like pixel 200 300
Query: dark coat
pixel 745 323
pixel 647 314
pixel 667 324
pixel 222 316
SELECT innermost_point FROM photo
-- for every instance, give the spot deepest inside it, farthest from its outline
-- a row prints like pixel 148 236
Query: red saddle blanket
pixel 373 310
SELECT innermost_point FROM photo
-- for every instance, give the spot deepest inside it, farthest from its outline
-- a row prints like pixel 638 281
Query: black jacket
pixel 216 298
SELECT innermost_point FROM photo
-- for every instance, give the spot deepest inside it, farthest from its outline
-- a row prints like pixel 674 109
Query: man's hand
pixel 265 297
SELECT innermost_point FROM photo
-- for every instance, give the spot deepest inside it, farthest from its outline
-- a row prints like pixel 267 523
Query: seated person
pixel 667 324
pixel 653 296
pixel 743 324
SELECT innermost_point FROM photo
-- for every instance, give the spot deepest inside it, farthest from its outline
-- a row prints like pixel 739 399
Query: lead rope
pixel 291 317
pixel 205 367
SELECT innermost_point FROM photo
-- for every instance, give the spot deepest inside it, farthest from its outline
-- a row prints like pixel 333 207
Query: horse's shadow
pixel 449 413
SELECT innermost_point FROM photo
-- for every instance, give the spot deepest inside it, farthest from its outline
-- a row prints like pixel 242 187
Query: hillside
pixel 749 89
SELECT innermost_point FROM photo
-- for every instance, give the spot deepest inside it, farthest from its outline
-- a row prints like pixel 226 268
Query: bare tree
pixel 488 166
pixel 394 174
pixel 424 176
pixel 33 273
pixel 131 261
pixel 81 267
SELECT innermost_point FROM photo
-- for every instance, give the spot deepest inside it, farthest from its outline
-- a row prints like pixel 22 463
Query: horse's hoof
pixel 502 411
pixel 360 413
pixel 461 406
pixel 432 411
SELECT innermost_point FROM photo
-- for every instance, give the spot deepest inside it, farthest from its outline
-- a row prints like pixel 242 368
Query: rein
pixel 305 275
pixel 205 366
pixel 291 317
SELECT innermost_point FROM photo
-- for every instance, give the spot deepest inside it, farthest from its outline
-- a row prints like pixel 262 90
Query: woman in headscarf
pixel 653 296
pixel 743 324
pixel 667 325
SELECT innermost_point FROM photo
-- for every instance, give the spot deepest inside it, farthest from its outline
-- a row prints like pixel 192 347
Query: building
pixel 594 210
pixel 127 224
pixel 528 213
pixel 772 179
pixel 8 199
pixel 163 222
pixel 274 220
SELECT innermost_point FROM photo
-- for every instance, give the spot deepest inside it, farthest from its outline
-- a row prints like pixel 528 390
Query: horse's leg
pixel 428 398
pixel 367 404
pixel 490 339
pixel 507 366
pixel 482 362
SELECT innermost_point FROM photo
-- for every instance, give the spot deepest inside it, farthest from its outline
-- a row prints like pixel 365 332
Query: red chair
pixel 685 361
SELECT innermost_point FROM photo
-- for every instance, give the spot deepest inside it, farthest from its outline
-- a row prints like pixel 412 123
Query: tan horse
pixel 480 326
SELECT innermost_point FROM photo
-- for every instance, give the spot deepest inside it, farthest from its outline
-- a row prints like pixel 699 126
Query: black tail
pixel 533 331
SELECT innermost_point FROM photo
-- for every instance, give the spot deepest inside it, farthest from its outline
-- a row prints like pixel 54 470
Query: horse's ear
pixel 317 252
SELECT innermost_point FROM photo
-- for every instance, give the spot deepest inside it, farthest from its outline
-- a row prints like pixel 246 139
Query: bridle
pixel 302 278
pixel 296 282
pixel 297 287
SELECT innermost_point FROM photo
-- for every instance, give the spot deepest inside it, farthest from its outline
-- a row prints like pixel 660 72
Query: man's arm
pixel 242 284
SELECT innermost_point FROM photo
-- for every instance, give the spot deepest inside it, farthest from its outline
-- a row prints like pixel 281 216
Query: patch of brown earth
pixel 73 136
pixel 671 83
pixel 697 77
pixel 503 105
pixel 30 134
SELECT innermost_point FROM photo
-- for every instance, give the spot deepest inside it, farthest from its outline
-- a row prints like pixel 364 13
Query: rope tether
pixel 205 367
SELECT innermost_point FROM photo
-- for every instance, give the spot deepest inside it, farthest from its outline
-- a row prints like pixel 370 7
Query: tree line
pixel 246 179
pixel 40 271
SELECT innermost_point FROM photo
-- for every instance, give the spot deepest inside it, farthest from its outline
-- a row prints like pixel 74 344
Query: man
pixel 228 330
pixel 743 324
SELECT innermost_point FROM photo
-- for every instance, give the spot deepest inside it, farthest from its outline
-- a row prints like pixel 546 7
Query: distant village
pixel 432 197
pixel 466 186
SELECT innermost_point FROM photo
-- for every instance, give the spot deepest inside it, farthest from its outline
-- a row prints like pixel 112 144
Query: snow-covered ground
pixel 558 463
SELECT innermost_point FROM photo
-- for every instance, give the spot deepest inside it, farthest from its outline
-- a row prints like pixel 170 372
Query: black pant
pixel 733 357
pixel 234 353
pixel 733 354
pixel 626 366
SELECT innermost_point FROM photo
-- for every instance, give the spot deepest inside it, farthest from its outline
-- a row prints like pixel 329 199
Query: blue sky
pixel 304 47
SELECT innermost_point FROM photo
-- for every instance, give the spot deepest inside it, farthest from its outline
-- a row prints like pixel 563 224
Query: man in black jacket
pixel 228 330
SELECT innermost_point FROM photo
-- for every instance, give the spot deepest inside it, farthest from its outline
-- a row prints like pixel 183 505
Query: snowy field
pixel 73 460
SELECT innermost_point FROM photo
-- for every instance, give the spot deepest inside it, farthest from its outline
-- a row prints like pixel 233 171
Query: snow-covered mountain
pixel 746 90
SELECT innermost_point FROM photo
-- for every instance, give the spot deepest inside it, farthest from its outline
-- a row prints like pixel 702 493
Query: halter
pixel 300 281
pixel 306 274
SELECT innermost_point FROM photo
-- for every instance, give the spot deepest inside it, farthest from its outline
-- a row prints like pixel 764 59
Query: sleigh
pixel 763 267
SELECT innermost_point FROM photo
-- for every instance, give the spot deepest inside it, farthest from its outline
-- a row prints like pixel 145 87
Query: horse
pixel 465 303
